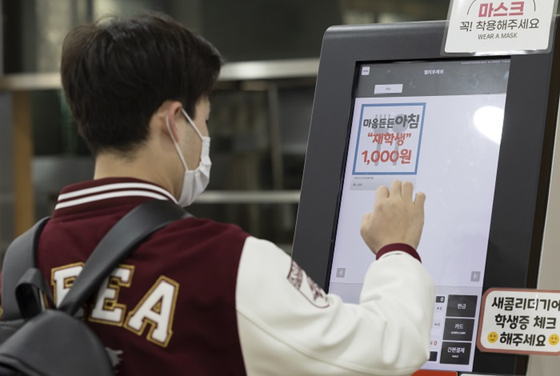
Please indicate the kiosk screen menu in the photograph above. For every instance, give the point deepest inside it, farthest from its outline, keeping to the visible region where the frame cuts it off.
(437, 124)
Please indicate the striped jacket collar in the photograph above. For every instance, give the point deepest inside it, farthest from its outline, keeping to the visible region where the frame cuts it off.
(109, 191)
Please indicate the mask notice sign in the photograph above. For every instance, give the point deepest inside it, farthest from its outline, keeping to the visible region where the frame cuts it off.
(520, 322)
(499, 26)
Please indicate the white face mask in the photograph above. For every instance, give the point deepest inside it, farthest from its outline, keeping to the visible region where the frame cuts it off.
(195, 181)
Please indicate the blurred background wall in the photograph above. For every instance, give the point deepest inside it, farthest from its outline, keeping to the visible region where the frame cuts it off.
(260, 109)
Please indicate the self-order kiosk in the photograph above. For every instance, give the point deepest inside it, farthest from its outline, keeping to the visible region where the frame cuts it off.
(475, 133)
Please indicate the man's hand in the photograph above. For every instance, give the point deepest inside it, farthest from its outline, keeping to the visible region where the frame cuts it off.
(396, 218)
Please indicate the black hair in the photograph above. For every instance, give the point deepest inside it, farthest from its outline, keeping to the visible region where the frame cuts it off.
(116, 73)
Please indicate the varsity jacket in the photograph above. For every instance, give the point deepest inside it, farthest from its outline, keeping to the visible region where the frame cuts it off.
(205, 298)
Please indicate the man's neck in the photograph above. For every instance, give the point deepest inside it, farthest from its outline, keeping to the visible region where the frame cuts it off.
(108, 165)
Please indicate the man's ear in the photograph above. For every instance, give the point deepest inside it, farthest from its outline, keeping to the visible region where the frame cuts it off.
(171, 112)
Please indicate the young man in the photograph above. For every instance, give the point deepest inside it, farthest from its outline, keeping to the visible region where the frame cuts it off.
(200, 297)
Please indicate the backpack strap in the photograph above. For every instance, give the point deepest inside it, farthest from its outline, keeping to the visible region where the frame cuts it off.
(20, 256)
(32, 294)
(119, 242)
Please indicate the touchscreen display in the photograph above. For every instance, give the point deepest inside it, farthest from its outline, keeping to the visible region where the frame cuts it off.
(437, 124)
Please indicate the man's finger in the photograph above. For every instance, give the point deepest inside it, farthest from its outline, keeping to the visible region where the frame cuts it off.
(396, 188)
(381, 193)
(407, 189)
(365, 219)
(419, 200)
(364, 227)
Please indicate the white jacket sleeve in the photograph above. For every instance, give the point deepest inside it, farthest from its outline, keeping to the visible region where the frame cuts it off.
(289, 326)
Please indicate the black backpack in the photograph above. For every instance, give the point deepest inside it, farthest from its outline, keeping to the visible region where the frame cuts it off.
(52, 342)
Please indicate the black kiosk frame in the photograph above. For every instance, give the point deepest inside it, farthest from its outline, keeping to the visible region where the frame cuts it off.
(522, 182)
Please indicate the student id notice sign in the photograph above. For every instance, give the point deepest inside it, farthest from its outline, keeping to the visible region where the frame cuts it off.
(520, 322)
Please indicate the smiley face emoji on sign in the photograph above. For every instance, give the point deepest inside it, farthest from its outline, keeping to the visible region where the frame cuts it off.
(553, 339)
(492, 337)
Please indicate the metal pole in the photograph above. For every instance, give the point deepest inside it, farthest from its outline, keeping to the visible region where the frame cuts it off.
(1, 39)
(275, 141)
(7, 206)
